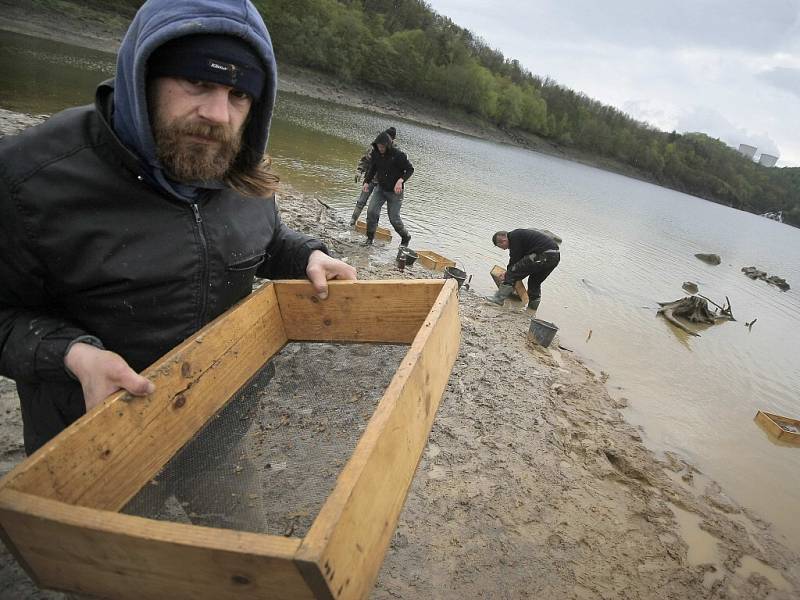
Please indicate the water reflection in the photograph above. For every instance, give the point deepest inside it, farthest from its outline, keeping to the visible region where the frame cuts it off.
(42, 77)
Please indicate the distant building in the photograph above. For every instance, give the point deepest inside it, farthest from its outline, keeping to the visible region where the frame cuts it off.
(748, 151)
(767, 160)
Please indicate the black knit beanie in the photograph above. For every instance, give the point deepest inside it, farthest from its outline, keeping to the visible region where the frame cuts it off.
(216, 58)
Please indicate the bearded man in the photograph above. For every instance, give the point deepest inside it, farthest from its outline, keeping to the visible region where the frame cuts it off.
(129, 224)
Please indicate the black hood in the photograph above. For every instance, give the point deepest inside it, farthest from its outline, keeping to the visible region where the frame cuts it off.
(383, 138)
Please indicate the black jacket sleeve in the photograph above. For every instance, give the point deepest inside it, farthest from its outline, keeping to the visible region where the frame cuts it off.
(515, 248)
(405, 164)
(288, 252)
(33, 337)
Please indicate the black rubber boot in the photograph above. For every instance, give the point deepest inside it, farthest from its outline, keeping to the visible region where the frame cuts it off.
(405, 239)
(533, 303)
(367, 242)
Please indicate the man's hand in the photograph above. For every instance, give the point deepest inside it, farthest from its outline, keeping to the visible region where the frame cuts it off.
(322, 267)
(366, 187)
(102, 373)
(398, 186)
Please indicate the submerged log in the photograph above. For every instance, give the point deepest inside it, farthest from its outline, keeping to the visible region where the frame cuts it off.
(695, 310)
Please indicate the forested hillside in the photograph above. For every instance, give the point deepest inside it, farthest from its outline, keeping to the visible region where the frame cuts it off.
(403, 45)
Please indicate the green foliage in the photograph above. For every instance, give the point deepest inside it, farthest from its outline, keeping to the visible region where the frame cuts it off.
(403, 45)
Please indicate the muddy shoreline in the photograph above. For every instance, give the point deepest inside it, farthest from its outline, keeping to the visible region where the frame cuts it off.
(532, 483)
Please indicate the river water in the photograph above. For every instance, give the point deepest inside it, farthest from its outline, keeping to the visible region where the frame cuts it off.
(627, 245)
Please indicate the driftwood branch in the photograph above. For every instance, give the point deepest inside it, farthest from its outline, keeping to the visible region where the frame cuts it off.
(694, 309)
(724, 311)
(709, 300)
(669, 315)
(729, 311)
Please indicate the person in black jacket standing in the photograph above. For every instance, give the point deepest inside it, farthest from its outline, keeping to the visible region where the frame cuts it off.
(391, 168)
(128, 225)
(364, 163)
(533, 254)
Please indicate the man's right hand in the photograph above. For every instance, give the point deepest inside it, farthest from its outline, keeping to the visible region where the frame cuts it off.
(366, 187)
(102, 373)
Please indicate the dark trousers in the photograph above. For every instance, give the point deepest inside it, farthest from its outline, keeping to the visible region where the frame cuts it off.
(393, 203)
(47, 410)
(362, 201)
(536, 267)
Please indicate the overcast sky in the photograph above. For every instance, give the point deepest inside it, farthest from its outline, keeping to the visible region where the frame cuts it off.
(728, 68)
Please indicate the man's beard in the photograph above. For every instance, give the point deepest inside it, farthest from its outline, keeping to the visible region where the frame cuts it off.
(189, 161)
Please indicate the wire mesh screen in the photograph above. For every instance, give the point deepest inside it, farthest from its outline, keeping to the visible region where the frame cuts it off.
(269, 459)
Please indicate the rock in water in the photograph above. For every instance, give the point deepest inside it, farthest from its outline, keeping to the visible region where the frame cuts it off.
(711, 259)
(690, 287)
(754, 273)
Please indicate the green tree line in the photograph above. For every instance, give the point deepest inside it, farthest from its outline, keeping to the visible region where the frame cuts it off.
(404, 46)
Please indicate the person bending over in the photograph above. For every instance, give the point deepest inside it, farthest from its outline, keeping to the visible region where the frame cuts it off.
(533, 254)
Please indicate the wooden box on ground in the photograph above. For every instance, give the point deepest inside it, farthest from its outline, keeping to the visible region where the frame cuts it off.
(781, 428)
(434, 261)
(520, 292)
(60, 509)
(381, 232)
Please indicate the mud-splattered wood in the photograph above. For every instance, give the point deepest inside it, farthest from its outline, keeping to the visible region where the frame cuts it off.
(380, 232)
(434, 261)
(352, 531)
(781, 428)
(383, 311)
(118, 556)
(103, 459)
(499, 272)
(58, 508)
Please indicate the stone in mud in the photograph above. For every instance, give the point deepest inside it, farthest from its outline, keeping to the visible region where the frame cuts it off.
(711, 259)
(690, 287)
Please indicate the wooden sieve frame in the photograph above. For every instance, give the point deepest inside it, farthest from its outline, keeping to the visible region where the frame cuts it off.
(59, 509)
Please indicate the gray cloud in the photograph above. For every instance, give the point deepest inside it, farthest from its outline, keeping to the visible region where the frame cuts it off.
(761, 26)
(783, 78)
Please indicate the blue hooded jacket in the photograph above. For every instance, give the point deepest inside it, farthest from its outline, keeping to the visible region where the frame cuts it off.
(156, 23)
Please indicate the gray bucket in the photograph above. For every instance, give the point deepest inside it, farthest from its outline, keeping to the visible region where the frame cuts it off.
(410, 255)
(542, 332)
(457, 274)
